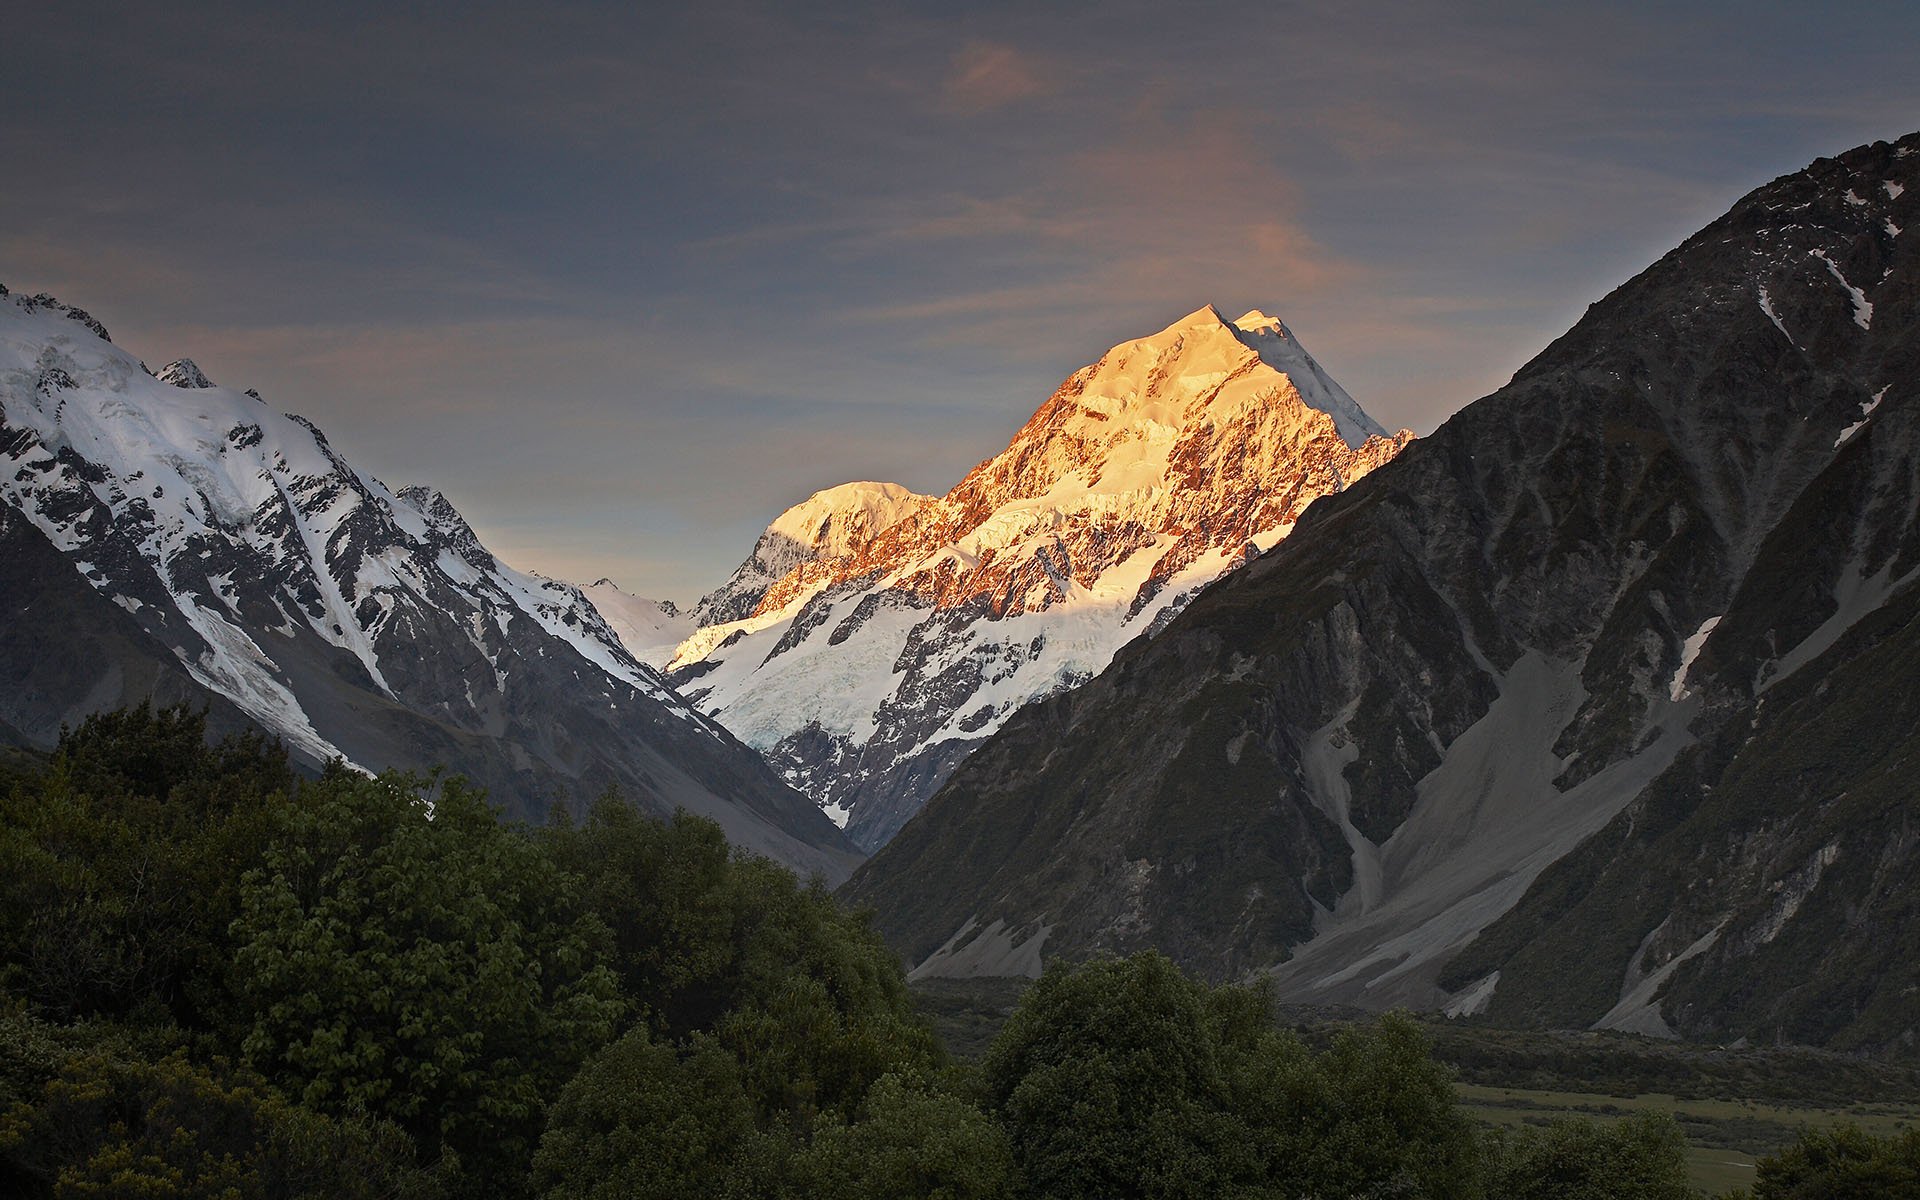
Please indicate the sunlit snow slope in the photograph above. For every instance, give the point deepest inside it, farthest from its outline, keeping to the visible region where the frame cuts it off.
(651, 630)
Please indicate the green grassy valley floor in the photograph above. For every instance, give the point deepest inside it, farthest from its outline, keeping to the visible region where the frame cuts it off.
(1725, 1136)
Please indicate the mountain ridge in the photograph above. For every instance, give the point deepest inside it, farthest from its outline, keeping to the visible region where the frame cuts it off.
(868, 673)
(349, 619)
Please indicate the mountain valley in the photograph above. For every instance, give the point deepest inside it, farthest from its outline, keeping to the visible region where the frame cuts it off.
(1589, 710)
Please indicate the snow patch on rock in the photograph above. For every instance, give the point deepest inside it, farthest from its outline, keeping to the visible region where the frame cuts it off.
(1766, 306)
(1689, 650)
(1862, 307)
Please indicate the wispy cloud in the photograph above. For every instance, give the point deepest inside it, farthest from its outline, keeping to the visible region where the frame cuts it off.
(989, 75)
(1170, 213)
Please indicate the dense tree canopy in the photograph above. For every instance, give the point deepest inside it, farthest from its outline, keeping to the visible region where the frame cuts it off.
(802, 992)
(913, 1137)
(120, 865)
(110, 1125)
(408, 956)
(650, 1119)
(1112, 1080)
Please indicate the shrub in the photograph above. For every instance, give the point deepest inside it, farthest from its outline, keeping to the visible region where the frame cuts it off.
(1642, 1157)
(106, 1125)
(1843, 1164)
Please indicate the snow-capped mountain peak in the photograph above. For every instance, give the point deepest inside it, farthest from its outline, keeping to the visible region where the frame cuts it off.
(834, 521)
(1267, 336)
(218, 509)
(875, 635)
(183, 373)
(824, 528)
(445, 527)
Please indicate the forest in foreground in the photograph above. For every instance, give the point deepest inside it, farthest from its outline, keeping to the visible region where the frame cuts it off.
(219, 978)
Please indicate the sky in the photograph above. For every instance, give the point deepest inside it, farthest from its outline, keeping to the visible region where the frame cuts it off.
(626, 280)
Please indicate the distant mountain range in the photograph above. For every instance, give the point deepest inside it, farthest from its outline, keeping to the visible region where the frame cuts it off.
(875, 637)
(1598, 707)
(170, 539)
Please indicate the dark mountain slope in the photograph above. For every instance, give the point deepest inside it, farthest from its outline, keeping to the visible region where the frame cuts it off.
(1597, 602)
(66, 651)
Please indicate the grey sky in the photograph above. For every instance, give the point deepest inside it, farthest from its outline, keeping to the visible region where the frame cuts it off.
(625, 281)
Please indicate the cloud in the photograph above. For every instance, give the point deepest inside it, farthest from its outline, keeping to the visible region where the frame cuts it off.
(989, 75)
(652, 276)
(1366, 131)
(963, 217)
(1165, 214)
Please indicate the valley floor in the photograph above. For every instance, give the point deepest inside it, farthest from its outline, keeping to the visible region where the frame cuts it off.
(1725, 1137)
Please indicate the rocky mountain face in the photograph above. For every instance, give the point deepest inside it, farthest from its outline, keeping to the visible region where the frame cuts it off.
(1598, 707)
(876, 637)
(184, 541)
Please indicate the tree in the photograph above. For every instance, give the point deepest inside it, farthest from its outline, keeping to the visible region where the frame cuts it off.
(912, 1138)
(1845, 1163)
(1121, 1077)
(669, 893)
(409, 957)
(122, 861)
(1642, 1157)
(162, 754)
(708, 940)
(1374, 1115)
(648, 1121)
(767, 1016)
(1109, 1081)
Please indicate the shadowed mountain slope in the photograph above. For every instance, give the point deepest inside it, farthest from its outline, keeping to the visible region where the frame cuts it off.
(1592, 708)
